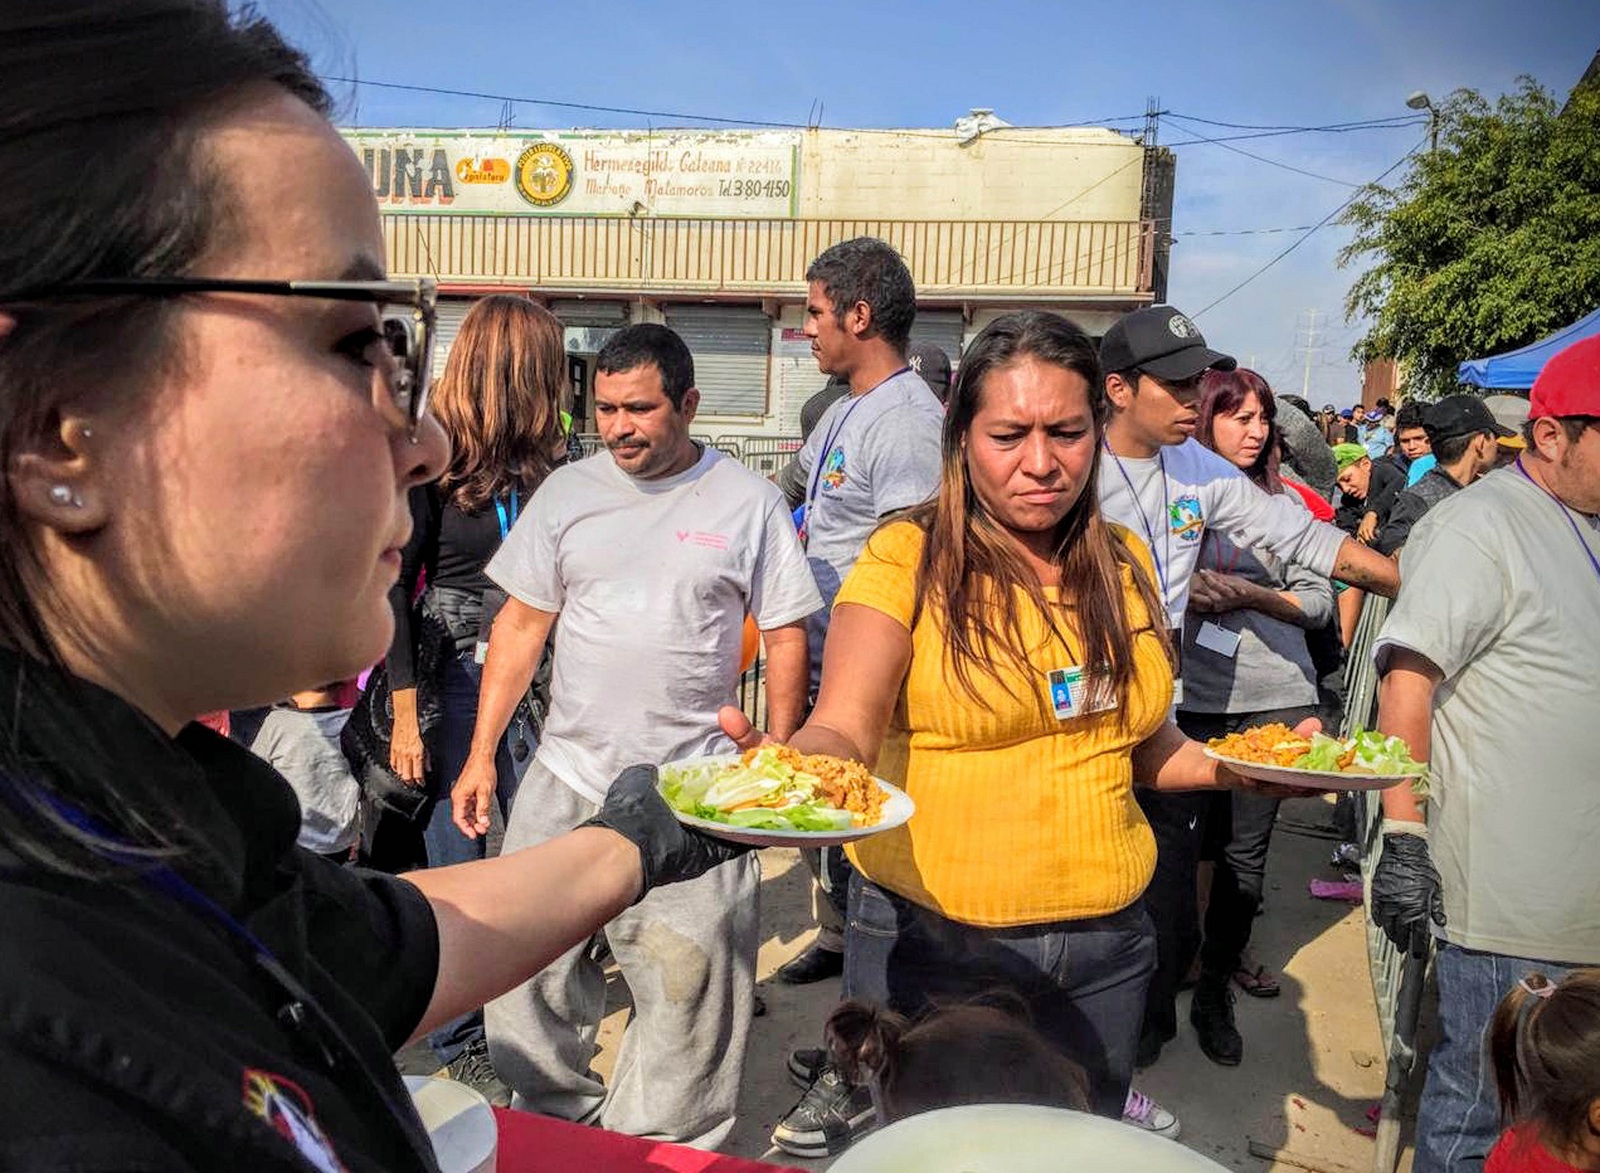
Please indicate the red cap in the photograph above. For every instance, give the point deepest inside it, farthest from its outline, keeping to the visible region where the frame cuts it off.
(1569, 383)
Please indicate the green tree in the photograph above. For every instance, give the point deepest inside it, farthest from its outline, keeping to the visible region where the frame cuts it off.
(1489, 243)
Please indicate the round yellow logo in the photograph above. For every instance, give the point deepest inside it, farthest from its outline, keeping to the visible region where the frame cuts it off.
(544, 174)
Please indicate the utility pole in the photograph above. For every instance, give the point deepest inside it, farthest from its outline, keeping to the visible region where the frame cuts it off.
(1311, 350)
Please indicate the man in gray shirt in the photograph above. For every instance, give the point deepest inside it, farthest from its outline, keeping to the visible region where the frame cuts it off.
(874, 452)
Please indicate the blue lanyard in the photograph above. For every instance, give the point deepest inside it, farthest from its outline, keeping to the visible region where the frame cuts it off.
(506, 520)
(1567, 513)
(1149, 532)
(827, 445)
(300, 1014)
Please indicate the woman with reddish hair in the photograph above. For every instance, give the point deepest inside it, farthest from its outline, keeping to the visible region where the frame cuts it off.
(1245, 663)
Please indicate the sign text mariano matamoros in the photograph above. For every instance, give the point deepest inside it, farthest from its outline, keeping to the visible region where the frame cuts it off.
(584, 173)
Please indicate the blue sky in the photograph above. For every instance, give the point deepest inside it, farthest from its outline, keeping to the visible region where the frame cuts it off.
(1306, 62)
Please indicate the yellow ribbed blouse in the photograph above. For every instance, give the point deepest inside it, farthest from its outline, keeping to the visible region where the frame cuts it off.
(1022, 818)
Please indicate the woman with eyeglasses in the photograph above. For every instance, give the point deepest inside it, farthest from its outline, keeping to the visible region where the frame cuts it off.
(212, 409)
(1001, 652)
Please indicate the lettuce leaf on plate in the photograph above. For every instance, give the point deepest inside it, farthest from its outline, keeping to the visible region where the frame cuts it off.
(707, 791)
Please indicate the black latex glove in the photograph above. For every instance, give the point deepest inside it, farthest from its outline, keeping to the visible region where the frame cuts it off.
(1405, 892)
(669, 851)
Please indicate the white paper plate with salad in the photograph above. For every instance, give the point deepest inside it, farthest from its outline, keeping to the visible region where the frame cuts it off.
(776, 797)
(1275, 753)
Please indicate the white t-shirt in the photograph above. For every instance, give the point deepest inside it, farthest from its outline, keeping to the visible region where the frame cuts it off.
(1501, 595)
(1201, 491)
(652, 579)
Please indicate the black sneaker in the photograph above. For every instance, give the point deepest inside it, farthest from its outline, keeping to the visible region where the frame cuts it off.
(472, 1067)
(1211, 1012)
(828, 1119)
(814, 965)
(805, 1065)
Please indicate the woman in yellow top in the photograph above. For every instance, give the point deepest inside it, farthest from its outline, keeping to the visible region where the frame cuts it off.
(994, 653)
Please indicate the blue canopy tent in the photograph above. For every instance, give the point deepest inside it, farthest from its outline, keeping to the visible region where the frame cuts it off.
(1517, 369)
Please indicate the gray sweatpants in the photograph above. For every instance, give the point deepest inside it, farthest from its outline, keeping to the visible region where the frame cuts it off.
(688, 953)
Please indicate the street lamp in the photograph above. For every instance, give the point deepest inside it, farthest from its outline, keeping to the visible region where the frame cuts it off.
(1421, 101)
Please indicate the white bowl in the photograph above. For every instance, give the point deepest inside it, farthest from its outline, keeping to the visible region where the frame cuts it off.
(459, 1121)
(1015, 1138)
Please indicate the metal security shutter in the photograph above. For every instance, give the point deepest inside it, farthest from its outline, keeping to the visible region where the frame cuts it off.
(576, 313)
(943, 328)
(447, 324)
(729, 345)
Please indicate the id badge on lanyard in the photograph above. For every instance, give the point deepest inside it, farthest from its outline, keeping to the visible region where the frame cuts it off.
(1076, 692)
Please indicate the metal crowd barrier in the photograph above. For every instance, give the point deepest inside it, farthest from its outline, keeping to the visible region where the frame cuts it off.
(753, 690)
(1398, 979)
(766, 454)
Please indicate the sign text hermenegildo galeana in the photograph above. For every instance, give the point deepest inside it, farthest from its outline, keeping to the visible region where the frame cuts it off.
(585, 173)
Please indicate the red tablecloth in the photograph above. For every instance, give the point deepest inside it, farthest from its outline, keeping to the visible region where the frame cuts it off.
(542, 1144)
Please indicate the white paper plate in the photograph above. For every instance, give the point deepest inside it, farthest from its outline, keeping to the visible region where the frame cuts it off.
(459, 1122)
(897, 808)
(1311, 779)
(1015, 1138)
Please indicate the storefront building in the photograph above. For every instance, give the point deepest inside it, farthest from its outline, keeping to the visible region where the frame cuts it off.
(711, 232)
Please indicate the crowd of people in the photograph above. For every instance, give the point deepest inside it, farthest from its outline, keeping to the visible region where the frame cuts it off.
(452, 656)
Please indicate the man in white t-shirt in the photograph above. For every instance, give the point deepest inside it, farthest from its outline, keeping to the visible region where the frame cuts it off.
(1489, 672)
(1167, 488)
(651, 554)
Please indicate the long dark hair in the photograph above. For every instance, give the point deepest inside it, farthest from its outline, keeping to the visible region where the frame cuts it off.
(971, 570)
(1544, 1045)
(499, 400)
(1223, 393)
(980, 1052)
(99, 117)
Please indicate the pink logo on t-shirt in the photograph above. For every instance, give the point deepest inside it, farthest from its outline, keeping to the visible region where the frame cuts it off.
(708, 541)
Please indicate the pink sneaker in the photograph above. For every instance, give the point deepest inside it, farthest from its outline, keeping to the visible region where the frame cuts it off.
(1143, 1112)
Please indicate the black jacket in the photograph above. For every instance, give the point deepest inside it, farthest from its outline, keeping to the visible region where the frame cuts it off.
(1409, 506)
(138, 1033)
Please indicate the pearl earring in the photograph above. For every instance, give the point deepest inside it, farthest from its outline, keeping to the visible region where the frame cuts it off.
(61, 494)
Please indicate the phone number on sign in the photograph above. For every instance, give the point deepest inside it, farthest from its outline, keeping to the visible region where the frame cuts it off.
(754, 189)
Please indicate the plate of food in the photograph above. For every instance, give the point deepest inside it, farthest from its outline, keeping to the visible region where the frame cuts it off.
(1276, 753)
(775, 796)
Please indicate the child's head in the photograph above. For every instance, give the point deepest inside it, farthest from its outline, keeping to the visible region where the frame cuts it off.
(978, 1053)
(1544, 1042)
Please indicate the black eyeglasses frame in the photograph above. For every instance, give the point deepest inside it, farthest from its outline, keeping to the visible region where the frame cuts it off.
(410, 340)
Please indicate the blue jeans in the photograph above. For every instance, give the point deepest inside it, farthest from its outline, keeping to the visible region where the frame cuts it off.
(451, 743)
(444, 841)
(1084, 980)
(1458, 1120)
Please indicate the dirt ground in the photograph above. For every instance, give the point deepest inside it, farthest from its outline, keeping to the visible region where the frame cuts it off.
(1312, 1065)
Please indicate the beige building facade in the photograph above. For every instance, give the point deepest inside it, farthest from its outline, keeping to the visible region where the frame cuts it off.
(711, 232)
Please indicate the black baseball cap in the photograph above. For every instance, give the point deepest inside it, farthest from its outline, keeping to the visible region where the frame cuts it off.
(1160, 341)
(1461, 415)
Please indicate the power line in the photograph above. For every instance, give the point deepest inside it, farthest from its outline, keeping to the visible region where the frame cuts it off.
(1243, 231)
(1264, 159)
(1312, 231)
(1395, 119)
(998, 134)
(729, 120)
